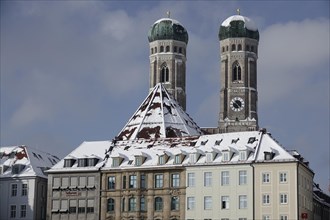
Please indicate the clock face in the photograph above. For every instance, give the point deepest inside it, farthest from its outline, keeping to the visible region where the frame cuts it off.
(237, 104)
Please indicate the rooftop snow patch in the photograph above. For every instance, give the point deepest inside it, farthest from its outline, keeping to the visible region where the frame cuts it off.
(159, 116)
(248, 23)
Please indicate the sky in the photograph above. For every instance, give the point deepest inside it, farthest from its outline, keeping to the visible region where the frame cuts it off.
(74, 71)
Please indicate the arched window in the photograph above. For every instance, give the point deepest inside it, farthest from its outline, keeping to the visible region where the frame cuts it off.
(175, 203)
(164, 74)
(161, 49)
(167, 48)
(158, 204)
(236, 72)
(247, 48)
(132, 204)
(175, 49)
(180, 49)
(233, 47)
(152, 50)
(155, 49)
(123, 205)
(142, 204)
(227, 48)
(223, 49)
(239, 47)
(111, 205)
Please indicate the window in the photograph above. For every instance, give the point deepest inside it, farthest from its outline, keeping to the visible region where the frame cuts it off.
(167, 49)
(152, 50)
(283, 217)
(192, 158)
(191, 179)
(142, 204)
(24, 189)
(82, 162)
(247, 48)
(158, 180)
(175, 180)
(132, 204)
(224, 202)
(55, 205)
(65, 182)
(242, 202)
(190, 203)
(161, 49)
(111, 205)
(239, 47)
(91, 181)
(56, 182)
(177, 159)
(23, 211)
(225, 156)
(73, 206)
(155, 49)
(90, 206)
(111, 182)
(164, 74)
(207, 202)
(123, 201)
(283, 177)
(283, 198)
(143, 182)
(265, 199)
(124, 182)
(224, 178)
(242, 155)
(68, 162)
(265, 177)
(207, 179)
(82, 181)
(158, 204)
(175, 49)
(233, 47)
(92, 162)
(81, 206)
(209, 157)
(242, 177)
(138, 161)
(13, 211)
(64, 205)
(161, 160)
(73, 182)
(132, 181)
(14, 190)
(236, 71)
(180, 49)
(175, 203)
(265, 217)
(115, 162)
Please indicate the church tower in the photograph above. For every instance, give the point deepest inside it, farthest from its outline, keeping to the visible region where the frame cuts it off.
(168, 41)
(239, 37)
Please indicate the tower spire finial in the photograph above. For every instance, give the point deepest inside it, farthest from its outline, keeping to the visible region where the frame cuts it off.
(168, 13)
(238, 11)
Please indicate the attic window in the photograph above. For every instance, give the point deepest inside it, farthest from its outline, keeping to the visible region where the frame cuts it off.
(269, 155)
(91, 162)
(3, 168)
(252, 140)
(82, 162)
(177, 159)
(225, 156)
(138, 160)
(193, 158)
(17, 168)
(69, 162)
(161, 159)
(116, 161)
(242, 155)
(209, 157)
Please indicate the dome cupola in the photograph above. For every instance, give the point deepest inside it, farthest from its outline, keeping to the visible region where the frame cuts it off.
(238, 26)
(167, 29)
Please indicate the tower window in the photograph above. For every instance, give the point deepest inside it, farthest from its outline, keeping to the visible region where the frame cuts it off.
(152, 50)
(236, 72)
(247, 48)
(227, 48)
(252, 48)
(164, 74)
(155, 49)
(239, 47)
(161, 49)
(223, 49)
(175, 49)
(180, 49)
(233, 47)
(167, 48)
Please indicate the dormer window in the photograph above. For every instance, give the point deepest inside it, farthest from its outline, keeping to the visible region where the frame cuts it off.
(242, 155)
(192, 158)
(269, 155)
(139, 160)
(225, 156)
(3, 168)
(82, 162)
(116, 161)
(69, 162)
(177, 159)
(17, 168)
(91, 162)
(209, 157)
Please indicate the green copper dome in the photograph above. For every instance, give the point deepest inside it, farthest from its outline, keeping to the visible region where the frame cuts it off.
(167, 29)
(238, 26)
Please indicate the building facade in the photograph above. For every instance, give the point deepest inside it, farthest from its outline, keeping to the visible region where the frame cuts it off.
(23, 182)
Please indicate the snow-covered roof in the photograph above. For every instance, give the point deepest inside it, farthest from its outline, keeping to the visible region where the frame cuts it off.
(215, 149)
(168, 19)
(249, 24)
(159, 116)
(23, 161)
